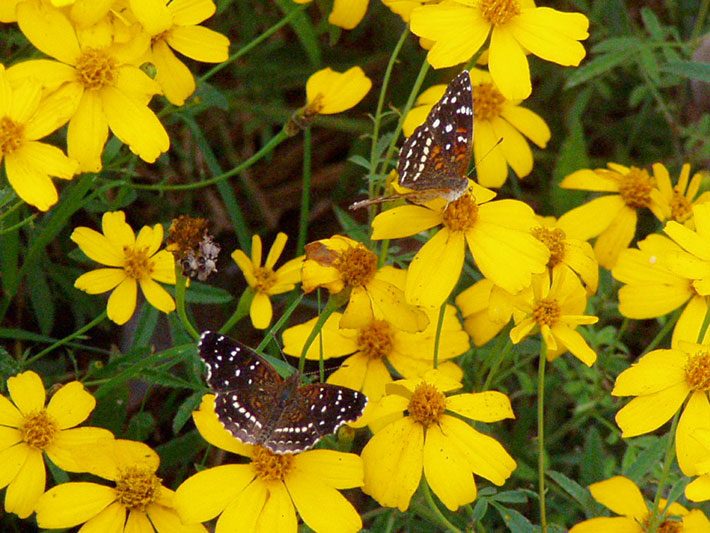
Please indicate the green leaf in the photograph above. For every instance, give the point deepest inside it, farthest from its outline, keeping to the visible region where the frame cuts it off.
(141, 426)
(202, 293)
(515, 521)
(598, 66)
(305, 32)
(616, 44)
(639, 95)
(184, 411)
(647, 61)
(181, 450)
(647, 460)
(42, 299)
(147, 322)
(688, 69)
(9, 258)
(359, 161)
(9, 366)
(592, 457)
(574, 489)
(512, 496)
(479, 510)
(653, 26)
(351, 227)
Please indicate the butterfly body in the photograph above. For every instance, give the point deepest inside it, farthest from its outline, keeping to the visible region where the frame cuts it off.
(257, 406)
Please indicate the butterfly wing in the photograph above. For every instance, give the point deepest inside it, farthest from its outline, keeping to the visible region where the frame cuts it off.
(437, 154)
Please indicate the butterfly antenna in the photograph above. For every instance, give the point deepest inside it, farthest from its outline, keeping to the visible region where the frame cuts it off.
(498, 142)
(373, 201)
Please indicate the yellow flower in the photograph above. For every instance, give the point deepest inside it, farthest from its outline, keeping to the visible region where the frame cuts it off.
(329, 92)
(516, 27)
(261, 495)
(555, 311)
(661, 381)
(379, 345)
(26, 117)
(683, 196)
(8, 10)
(131, 260)
(494, 119)
(611, 217)
(175, 26)
(30, 431)
(447, 449)
(348, 13)
(101, 79)
(698, 490)
(497, 234)
(264, 280)
(652, 290)
(486, 309)
(138, 493)
(342, 264)
(623, 497)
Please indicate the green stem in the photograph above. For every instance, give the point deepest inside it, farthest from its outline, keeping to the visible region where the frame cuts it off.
(305, 192)
(667, 327)
(17, 226)
(279, 323)
(541, 435)
(240, 312)
(334, 302)
(502, 354)
(437, 337)
(444, 522)
(266, 149)
(11, 209)
(67, 339)
(254, 43)
(180, 287)
(653, 521)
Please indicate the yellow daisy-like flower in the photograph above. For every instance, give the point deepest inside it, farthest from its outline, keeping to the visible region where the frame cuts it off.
(662, 381)
(684, 195)
(132, 261)
(264, 280)
(611, 218)
(379, 345)
(261, 494)
(623, 497)
(342, 264)
(175, 25)
(29, 431)
(501, 128)
(447, 449)
(137, 502)
(652, 289)
(26, 117)
(555, 310)
(497, 234)
(698, 490)
(516, 27)
(329, 92)
(486, 309)
(101, 79)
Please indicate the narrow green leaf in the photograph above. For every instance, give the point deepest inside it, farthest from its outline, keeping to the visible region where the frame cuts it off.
(147, 322)
(647, 460)
(184, 411)
(305, 32)
(42, 299)
(592, 464)
(202, 293)
(598, 66)
(689, 69)
(616, 44)
(141, 426)
(647, 61)
(514, 521)
(9, 366)
(351, 227)
(653, 26)
(571, 487)
(359, 161)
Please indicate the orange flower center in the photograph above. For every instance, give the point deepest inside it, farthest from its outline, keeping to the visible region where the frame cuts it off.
(681, 208)
(357, 266)
(265, 279)
(461, 214)
(137, 487)
(96, 69)
(669, 526)
(375, 339)
(635, 188)
(11, 135)
(487, 102)
(697, 372)
(270, 466)
(499, 11)
(554, 239)
(427, 405)
(137, 263)
(38, 429)
(546, 312)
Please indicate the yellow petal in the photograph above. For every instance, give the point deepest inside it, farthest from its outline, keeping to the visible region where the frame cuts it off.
(137, 522)
(690, 322)
(649, 412)
(690, 450)
(9, 414)
(491, 166)
(616, 237)
(122, 302)
(29, 483)
(334, 92)
(174, 77)
(153, 15)
(199, 43)
(13, 459)
(615, 524)
(245, 265)
(166, 519)
(54, 111)
(515, 148)
(508, 64)
(337, 469)
(347, 13)
(150, 238)
(436, 269)
(622, 496)
(655, 371)
(69, 448)
(27, 392)
(48, 30)
(71, 504)
(213, 431)
(163, 267)
(278, 513)
(157, 296)
(242, 514)
(98, 247)
(699, 489)
(592, 218)
(71, 405)
(575, 343)
(25, 100)
(404, 221)
(187, 12)
(530, 124)
(336, 342)
(87, 133)
(388, 302)
(393, 463)
(446, 470)
(29, 182)
(261, 311)
(276, 250)
(47, 159)
(589, 180)
(117, 231)
(112, 518)
(488, 406)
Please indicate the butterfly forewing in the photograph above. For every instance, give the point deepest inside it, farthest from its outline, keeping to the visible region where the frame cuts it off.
(437, 154)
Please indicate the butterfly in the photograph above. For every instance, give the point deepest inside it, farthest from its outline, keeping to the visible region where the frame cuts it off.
(434, 159)
(257, 406)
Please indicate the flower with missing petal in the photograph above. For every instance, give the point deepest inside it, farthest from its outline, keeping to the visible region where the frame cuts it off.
(555, 310)
(26, 117)
(30, 431)
(138, 502)
(501, 128)
(175, 25)
(131, 261)
(427, 439)
(99, 77)
(459, 28)
(265, 493)
(682, 196)
(264, 281)
(344, 266)
(497, 234)
(662, 381)
(379, 345)
(623, 497)
(611, 218)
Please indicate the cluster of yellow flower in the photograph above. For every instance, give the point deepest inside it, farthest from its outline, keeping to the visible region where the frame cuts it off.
(397, 328)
